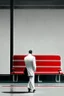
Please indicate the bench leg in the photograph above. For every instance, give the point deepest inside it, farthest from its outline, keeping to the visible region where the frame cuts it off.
(57, 78)
(14, 78)
(39, 79)
(17, 78)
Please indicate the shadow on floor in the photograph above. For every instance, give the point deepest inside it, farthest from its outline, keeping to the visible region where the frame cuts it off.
(16, 92)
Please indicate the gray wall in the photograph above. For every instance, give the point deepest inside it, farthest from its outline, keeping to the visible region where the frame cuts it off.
(4, 41)
(41, 30)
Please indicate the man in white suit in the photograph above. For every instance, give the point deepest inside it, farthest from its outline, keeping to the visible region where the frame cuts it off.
(30, 63)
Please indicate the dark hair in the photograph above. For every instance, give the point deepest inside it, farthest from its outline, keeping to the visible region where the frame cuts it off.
(30, 51)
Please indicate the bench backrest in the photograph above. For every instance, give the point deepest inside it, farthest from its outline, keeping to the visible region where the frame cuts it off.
(44, 63)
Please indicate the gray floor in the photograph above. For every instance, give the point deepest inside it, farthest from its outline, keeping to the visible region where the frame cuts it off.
(42, 89)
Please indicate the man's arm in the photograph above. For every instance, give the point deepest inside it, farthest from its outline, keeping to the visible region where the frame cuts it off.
(34, 63)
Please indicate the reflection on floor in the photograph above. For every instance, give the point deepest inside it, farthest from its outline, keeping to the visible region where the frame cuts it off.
(42, 89)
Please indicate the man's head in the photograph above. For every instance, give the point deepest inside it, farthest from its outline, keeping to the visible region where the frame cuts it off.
(30, 51)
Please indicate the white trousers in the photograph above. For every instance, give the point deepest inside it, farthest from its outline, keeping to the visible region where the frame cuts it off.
(31, 83)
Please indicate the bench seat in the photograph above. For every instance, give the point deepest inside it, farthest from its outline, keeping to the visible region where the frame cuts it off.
(17, 73)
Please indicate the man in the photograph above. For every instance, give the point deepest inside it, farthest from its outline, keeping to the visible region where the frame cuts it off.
(30, 63)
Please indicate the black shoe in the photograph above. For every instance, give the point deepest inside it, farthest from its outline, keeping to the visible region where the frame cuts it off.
(34, 90)
(29, 89)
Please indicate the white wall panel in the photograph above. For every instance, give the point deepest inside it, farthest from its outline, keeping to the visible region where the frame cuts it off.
(41, 30)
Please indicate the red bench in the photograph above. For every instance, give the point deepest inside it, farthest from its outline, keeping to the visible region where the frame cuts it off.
(46, 65)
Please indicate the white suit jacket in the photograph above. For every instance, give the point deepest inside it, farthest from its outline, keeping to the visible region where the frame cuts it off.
(30, 63)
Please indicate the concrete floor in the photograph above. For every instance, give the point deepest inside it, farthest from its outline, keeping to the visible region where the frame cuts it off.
(42, 89)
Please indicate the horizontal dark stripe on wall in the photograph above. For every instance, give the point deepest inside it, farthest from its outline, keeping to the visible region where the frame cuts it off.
(33, 7)
(7, 78)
